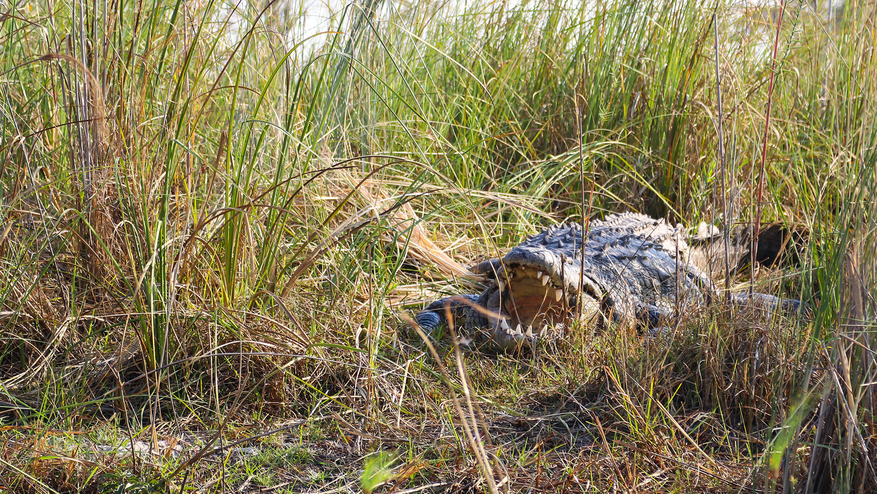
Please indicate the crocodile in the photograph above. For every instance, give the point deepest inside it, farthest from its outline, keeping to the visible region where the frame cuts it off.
(633, 270)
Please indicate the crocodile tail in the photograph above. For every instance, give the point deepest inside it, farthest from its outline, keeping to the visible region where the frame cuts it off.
(776, 244)
(435, 315)
(429, 320)
(771, 303)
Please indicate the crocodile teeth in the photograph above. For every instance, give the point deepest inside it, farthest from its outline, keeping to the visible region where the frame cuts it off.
(519, 329)
(530, 331)
(539, 274)
(545, 279)
(500, 285)
(558, 295)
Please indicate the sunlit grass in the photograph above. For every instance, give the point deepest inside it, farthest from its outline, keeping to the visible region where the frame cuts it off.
(215, 227)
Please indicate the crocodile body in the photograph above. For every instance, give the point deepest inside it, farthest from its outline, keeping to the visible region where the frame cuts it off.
(633, 270)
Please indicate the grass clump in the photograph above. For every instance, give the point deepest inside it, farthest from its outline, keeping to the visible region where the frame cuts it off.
(215, 224)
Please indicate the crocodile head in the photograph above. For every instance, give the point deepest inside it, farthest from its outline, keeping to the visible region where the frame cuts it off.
(534, 290)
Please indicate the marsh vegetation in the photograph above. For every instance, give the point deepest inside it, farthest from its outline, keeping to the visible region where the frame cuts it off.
(216, 227)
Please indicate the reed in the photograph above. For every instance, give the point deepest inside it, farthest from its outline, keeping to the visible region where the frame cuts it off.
(216, 225)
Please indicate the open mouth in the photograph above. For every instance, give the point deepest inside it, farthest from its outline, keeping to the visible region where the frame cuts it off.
(526, 303)
(532, 300)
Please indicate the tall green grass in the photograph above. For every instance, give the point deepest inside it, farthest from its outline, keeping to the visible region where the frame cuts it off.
(206, 218)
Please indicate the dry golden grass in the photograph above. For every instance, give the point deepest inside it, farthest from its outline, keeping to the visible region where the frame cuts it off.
(213, 242)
